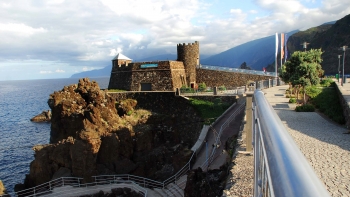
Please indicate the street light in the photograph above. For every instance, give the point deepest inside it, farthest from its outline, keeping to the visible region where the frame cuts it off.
(344, 49)
(339, 67)
(305, 45)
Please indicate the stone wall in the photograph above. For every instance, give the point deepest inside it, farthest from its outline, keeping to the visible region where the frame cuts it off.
(189, 55)
(120, 77)
(176, 111)
(214, 78)
(345, 105)
(165, 77)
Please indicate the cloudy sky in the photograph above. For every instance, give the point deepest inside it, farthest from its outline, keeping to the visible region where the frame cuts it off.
(42, 39)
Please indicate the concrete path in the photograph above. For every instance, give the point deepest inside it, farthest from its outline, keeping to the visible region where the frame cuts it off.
(323, 143)
(221, 156)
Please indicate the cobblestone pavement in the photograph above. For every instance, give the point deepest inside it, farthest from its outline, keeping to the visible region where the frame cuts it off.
(241, 176)
(323, 143)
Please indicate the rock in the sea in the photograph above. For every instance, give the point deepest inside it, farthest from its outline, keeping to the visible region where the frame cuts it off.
(45, 116)
(89, 138)
(2, 188)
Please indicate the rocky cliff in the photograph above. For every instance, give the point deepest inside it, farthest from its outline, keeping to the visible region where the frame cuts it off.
(329, 38)
(89, 136)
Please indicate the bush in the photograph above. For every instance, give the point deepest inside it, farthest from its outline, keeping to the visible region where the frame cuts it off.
(313, 91)
(305, 108)
(185, 89)
(292, 100)
(202, 87)
(222, 88)
(326, 82)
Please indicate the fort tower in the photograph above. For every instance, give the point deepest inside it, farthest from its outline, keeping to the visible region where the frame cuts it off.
(189, 55)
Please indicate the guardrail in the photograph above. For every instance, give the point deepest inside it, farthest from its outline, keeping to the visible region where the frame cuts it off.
(49, 186)
(75, 183)
(280, 167)
(228, 69)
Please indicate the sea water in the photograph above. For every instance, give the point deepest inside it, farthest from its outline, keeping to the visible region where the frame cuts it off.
(19, 102)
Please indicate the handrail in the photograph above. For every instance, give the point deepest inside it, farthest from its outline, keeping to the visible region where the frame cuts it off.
(228, 69)
(280, 167)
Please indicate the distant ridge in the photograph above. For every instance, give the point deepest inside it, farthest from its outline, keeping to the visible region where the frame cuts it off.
(257, 54)
(104, 72)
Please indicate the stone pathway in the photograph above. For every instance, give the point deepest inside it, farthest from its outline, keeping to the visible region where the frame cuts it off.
(323, 143)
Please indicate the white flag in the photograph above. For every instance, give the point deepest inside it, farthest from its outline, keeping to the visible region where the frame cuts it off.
(276, 45)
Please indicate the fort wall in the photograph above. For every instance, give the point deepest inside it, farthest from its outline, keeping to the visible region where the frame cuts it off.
(213, 78)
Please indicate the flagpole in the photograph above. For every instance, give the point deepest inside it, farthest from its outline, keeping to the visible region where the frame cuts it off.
(276, 54)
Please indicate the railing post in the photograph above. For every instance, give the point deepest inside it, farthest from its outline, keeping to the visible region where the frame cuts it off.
(249, 121)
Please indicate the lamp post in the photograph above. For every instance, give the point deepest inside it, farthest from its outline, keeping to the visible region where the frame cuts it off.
(339, 67)
(305, 45)
(344, 49)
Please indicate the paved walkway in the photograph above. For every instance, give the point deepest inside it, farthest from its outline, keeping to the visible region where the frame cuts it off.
(323, 143)
(221, 156)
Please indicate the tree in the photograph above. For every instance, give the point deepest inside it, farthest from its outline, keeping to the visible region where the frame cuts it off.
(303, 69)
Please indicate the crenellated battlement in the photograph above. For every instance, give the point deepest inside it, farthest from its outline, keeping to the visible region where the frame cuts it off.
(189, 55)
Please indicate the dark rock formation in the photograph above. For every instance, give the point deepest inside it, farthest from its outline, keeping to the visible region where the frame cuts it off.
(89, 138)
(205, 184)
(45, 116)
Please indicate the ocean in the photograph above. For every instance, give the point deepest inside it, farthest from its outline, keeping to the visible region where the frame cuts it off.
(19, 102)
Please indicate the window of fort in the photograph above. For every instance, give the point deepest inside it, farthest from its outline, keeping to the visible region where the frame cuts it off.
(146, 86)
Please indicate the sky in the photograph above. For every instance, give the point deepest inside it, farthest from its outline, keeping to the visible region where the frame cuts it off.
(42, 39)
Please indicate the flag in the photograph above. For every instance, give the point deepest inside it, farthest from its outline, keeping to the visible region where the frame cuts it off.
(276, 45)
(285, 47)
(282, 47)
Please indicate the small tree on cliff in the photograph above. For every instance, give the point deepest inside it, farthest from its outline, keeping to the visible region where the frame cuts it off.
(303, 69)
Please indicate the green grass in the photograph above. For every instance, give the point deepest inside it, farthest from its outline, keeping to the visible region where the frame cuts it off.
(327, 101)
(209, 111)
(116, 90)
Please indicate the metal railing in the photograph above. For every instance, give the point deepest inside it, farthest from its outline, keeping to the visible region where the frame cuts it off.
(209, 160)
(280, 167)
(75, 183)
(237, 70)
(49, 186)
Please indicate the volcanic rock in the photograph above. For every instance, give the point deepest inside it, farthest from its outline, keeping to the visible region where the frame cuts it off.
(89, 138)
(45, 116)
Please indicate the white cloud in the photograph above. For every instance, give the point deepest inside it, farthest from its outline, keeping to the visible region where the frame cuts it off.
(20, 29)
(60, 71)
(236, 11)
(45, 72)
(87, 33)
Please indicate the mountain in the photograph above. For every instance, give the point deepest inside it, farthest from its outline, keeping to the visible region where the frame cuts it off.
(257, 54)
(104, 72)
(329, 37)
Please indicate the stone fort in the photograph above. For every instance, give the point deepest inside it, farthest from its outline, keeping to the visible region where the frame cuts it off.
(171, 74)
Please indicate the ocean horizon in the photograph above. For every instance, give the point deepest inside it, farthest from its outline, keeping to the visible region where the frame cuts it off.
(20, 100)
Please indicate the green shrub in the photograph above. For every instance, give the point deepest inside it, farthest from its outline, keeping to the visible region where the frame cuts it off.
(292, 100)
(327, 101)
(222, 88)
(305, 108)
(313, 91)
(185, 89)
(202, 87)
(326, 82)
